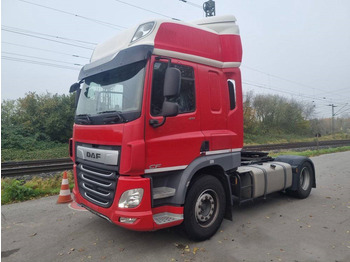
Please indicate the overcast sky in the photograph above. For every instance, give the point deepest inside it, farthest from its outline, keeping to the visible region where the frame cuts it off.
(294, 48)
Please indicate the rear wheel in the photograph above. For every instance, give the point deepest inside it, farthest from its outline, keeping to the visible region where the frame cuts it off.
(305, 182)
(204, 208)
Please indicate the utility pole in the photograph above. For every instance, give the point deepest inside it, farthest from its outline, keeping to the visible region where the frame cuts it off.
(209, 8)
(333, 106)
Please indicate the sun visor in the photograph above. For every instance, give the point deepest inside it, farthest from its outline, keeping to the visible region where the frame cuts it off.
(124, 57)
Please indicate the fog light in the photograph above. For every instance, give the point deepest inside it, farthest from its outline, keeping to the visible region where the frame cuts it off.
(131, 198)
(127, 220)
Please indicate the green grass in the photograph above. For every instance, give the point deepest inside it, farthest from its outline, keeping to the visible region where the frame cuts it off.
(13, 190)
(311, 153)
(59, 151)
(288, 138)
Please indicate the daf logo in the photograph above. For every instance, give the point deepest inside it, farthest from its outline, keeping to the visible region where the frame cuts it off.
(93, 155)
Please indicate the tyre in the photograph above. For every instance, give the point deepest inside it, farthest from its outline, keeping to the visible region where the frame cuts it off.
(204, 208)
(305, 181)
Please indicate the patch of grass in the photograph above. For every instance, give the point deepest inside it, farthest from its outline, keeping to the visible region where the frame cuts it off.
(13, 190)
(250, 139)
(59, 151)
(311, 153)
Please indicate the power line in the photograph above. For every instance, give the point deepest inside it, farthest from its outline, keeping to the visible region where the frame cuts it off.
(286, 92)
(190, 3)
(335, 91)
(141, 8)
(114, 26)
(344, 111)
(284, 79)
(282, 91)
(47, 59)
(42, 34)
(337, 113)
(20, 33)
(46, 50)
(38, 63)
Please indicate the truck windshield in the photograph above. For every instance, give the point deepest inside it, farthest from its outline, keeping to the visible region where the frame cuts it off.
(115, 94)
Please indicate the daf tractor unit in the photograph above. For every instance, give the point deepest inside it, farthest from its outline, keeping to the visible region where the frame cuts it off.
(158, 133)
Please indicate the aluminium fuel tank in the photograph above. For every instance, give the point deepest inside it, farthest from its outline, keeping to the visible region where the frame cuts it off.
(264, 178)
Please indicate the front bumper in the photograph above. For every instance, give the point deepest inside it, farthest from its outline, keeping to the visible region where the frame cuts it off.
(147, 218)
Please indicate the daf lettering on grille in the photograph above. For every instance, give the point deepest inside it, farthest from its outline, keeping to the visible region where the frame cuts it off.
(103, 156)
(93, 155)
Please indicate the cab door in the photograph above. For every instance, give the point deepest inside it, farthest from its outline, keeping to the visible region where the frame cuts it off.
(176, 143)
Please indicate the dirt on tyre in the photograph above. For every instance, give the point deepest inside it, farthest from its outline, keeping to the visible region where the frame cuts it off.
(305, 181)
(204, 208)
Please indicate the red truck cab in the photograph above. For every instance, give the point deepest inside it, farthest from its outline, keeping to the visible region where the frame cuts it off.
(159, 126)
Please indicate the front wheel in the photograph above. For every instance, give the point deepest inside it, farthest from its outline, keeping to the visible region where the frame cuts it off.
(204, 208)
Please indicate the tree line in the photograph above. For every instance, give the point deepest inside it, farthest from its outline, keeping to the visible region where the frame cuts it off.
(37, 121)
(275, 114)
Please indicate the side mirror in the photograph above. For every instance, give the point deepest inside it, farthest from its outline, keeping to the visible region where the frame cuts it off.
(171, 89)
(74, 87)
(172, 82)
(170, 109)
(77, 95)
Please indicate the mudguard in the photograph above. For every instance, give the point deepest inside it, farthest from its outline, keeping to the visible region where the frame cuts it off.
(296, 162)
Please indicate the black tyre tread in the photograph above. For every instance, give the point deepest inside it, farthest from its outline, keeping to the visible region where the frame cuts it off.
(193, 230)
(301, 193)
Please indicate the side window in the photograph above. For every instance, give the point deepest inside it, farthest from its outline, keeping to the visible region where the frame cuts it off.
(232, 93)
(186, 100)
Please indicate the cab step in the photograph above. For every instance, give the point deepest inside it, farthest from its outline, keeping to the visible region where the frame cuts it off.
(166, 217)
(163, 192)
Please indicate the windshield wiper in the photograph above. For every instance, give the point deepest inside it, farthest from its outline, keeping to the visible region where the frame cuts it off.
(117, 115)
(83, 119)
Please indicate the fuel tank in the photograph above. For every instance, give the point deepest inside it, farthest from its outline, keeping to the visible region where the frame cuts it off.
(264, 178)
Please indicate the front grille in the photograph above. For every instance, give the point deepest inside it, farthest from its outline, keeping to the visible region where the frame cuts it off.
(97, 185)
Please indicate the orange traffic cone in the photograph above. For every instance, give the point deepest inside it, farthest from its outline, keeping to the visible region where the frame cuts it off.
(64, 196)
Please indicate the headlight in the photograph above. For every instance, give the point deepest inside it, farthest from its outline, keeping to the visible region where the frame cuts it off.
(142, 31)
(131, 198)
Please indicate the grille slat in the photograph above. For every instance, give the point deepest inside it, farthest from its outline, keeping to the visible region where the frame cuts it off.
(96, 185)
(95, 173)
(95, 192)
(95, 182)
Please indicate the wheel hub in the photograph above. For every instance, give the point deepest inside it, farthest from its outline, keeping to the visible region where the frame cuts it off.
(304, 178)
(206, 208)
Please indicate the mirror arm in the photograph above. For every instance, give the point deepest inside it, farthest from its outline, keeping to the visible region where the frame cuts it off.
(158, 58)
(155, 123)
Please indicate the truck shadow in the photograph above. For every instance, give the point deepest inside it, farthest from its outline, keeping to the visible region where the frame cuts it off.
(257, 203)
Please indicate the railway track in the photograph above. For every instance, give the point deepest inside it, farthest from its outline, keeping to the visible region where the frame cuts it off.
(12, 169)
(31, 167)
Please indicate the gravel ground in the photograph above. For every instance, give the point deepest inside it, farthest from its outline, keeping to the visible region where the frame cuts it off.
(279, 228)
